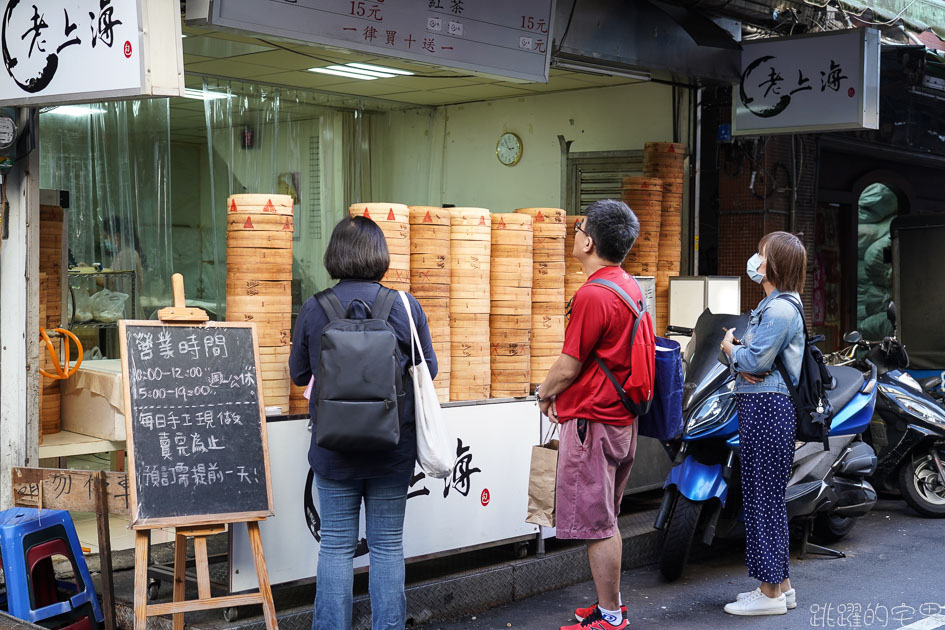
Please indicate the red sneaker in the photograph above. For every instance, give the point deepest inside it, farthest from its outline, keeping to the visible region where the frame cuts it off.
(583, 613)
(595, 622)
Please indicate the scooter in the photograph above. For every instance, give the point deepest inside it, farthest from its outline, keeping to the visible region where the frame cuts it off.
(702, 496)
(908, 429)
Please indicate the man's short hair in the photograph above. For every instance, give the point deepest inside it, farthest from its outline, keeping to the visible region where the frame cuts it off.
(613, 227)
(357, 251)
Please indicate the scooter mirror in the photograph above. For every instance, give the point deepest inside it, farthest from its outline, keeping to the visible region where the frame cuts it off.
(891, 313)
(853, 337)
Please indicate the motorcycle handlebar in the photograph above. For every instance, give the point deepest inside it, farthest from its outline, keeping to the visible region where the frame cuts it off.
(871, 381)
(679, 330)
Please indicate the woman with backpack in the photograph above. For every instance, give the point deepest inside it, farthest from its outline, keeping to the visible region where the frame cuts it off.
(766, 418)
(357, 256)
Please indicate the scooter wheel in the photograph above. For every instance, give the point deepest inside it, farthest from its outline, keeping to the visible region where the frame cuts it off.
(922, 487)
(830, 528)
(679, 537)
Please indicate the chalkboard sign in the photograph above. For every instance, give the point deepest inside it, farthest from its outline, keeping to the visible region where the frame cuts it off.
(195, 424)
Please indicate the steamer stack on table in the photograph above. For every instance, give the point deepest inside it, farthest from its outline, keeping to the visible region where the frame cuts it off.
(644, 195)
(548, 303)
(510, 321)
(470, 254)
(430, 283)
(298, 404)
(258, 283)
(665, 161)
(573, 269)
(50, 299)
(394, 221)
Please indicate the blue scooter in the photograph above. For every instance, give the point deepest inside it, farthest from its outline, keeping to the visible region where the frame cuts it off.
(827, 490)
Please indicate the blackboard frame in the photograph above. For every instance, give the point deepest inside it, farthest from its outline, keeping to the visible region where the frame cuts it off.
(202, 519)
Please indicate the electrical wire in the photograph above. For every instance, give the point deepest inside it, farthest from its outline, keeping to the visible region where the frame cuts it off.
(567, 26)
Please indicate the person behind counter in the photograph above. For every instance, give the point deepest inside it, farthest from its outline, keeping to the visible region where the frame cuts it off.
(358, 258)
(598, 435)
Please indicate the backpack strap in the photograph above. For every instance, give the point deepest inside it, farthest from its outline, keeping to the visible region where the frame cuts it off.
(330, 304)
(383, 303)
(637, 409)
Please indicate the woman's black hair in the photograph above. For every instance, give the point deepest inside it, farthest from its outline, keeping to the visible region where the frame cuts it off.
(357, 250)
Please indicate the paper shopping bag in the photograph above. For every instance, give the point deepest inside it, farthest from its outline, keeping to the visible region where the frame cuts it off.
(541, 484)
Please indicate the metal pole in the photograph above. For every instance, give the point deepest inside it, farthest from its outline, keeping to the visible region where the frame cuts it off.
(19, 317)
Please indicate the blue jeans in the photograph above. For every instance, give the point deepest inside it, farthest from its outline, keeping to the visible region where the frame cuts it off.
(339, 506)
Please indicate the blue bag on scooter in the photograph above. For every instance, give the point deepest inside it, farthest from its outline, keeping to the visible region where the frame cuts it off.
(664, 420)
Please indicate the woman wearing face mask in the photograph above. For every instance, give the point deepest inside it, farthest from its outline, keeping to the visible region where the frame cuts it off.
(766, 417)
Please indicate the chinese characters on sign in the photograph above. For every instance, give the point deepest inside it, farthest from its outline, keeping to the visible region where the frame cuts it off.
(820, 82)
(195, 420)
(499, 38)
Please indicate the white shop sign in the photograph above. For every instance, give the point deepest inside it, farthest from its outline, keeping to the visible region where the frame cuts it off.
(68, 51)
(822, 82)
(495, 37)
(485, 501)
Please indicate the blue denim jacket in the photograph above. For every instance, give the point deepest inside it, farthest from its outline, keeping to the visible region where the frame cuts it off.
(775, 327)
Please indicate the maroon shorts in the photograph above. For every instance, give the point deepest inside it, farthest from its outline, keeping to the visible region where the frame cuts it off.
(591, 479)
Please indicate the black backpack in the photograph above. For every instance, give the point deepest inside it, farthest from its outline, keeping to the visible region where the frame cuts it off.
(812, 405)
(359, 377)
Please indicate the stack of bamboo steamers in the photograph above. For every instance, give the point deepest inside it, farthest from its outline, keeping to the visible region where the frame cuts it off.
(394, 221)
(574, 275)
(548, 268)
(665, 161)
(470, 260)
(510, 321)
(50, 317)
(258, 282)
(430, 283)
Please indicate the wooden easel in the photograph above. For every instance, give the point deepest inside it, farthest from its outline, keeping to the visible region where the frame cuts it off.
(180, 314)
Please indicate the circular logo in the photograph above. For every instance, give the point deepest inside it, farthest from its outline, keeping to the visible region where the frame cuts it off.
(127, 50)
(851, 92)
(484, 497)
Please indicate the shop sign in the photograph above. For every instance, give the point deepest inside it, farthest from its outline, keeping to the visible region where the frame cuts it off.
(62, 51)
(822, 82)
(494, 37)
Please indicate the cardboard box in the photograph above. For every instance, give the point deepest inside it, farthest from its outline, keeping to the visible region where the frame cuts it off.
(93, 400)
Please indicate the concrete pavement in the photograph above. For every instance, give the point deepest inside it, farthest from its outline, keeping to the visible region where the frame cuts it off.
(891, 578)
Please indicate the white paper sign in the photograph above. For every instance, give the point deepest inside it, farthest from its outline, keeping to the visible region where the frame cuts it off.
(59, 51)
(809, 83)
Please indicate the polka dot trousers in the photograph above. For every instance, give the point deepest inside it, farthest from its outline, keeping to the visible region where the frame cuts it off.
(766, 427)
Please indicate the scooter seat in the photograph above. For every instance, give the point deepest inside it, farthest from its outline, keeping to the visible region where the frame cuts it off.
(849, 382)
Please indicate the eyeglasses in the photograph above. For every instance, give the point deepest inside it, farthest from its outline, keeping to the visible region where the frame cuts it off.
(578, 228)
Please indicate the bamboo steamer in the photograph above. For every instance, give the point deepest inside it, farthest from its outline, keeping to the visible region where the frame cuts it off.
(50, 298)
(574, 275)
(298, 404)
(510, 322)
(394, 221)
(260, 204)
(430, 283)
(260, 222)
(381, 212)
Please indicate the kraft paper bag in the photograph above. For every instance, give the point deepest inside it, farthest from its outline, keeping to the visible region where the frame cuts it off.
(541, 484)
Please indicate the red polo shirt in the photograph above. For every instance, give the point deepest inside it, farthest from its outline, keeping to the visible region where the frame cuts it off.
(602, 322)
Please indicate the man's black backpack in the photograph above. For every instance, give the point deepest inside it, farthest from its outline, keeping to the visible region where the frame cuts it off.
(814, 410)
(359, 376)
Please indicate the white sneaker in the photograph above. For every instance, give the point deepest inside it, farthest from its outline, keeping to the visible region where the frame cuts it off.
(790, 597)
(757, 603)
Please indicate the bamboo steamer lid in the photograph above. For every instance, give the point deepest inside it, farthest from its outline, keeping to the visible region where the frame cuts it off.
(510, 308)
(429, 291)
(512, 222)
(260, 204)
(469, 320)
(465, 348)
(429, 232)
(381, 212)
(548, 222)
(509, 349)
(259, 256)
(509, 391)
(260, 223)
(469, 217)
(672, 148)
(429, 246)
(547, 308)
(517, 294)
(421, 275)
(512, 265)
(469, 264)
(555, 296)
(282, 272)
(429, 215)
(520, 336)
(429, 261)
(642, 184)
(260, 303)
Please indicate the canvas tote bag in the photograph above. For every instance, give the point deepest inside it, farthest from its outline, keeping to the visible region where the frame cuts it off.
(434, 444)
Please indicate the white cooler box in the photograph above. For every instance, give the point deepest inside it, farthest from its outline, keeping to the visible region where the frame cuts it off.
(93, 400)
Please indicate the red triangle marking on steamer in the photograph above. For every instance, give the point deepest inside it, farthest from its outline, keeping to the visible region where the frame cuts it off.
(501, 225)
(233, 206)
(269, 208)
(428, 218)
(540, 218)
(482, 220)
(390, 215)
(248, 224)
(286, 227)
(367, 215)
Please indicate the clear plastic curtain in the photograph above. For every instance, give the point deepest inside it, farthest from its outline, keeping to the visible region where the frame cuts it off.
(114, 159)
(262, 139)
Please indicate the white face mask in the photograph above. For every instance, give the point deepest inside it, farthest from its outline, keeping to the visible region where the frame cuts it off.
(753, 264)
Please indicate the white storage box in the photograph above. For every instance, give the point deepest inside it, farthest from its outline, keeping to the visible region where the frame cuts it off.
(93, 400)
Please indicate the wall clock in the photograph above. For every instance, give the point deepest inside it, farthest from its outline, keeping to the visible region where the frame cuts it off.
(509, 149)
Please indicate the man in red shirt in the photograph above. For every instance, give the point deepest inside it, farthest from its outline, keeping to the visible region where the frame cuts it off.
(598, 435)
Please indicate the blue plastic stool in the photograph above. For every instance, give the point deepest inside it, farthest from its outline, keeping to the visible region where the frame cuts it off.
(28, 540)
